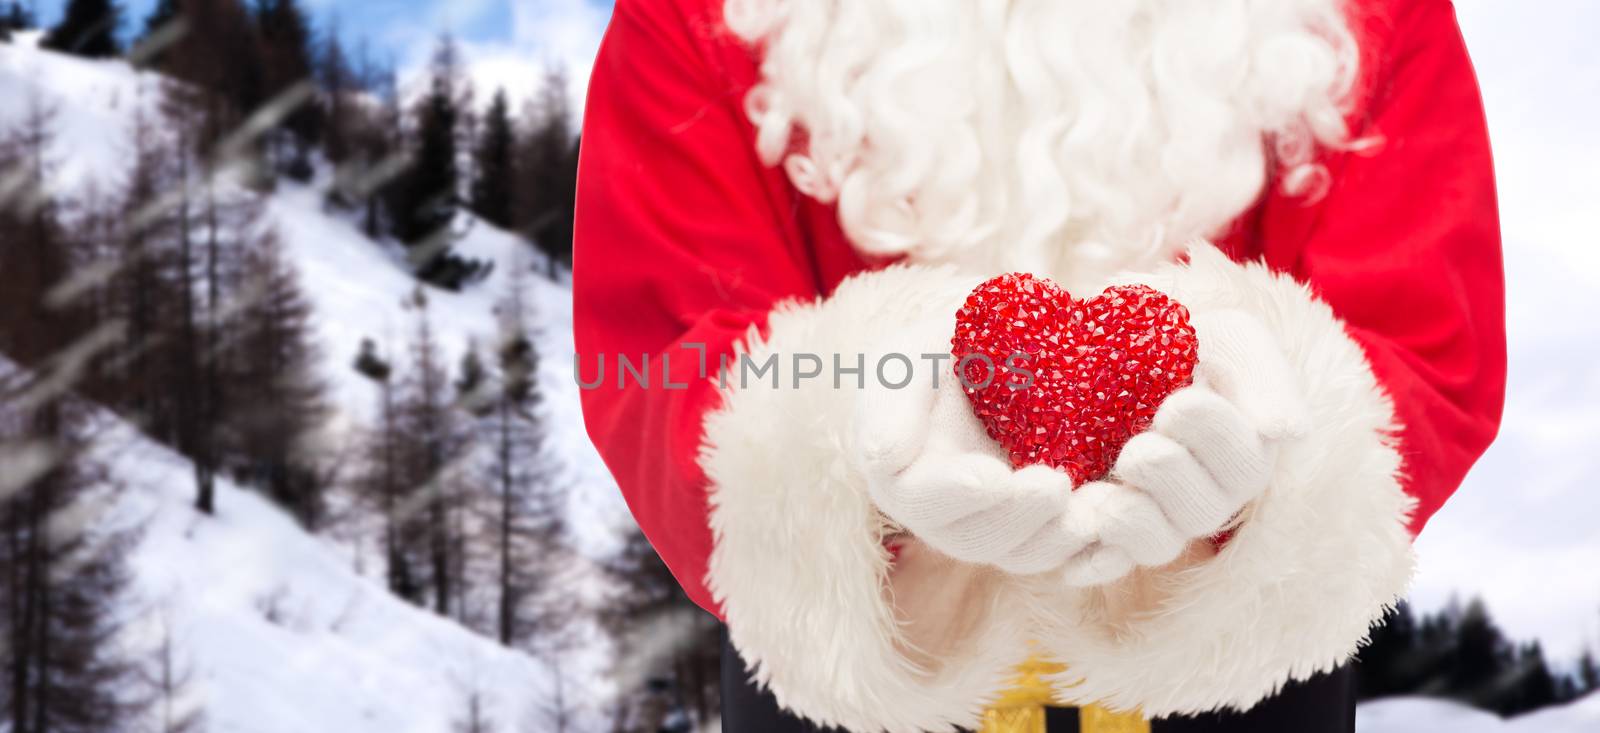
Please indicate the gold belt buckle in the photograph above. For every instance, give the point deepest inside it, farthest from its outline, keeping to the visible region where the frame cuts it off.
(1020, 709)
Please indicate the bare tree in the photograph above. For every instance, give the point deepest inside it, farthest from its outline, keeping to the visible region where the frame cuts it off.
(61, 568)
(382, 480)
(494, 165)
(526, 523)
(474, 716)
(547, 172)
(669, 650)
(281, 404)
(170, 682)
(137, 290)
(558, 713)
(432, 443)
(218, 55)
(339, 85)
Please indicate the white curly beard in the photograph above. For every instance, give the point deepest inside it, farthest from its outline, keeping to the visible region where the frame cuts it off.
(1054, 136)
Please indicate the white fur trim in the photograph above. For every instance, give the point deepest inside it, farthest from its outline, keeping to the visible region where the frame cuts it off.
(1318, 559)
(805, 584)
(809, 591)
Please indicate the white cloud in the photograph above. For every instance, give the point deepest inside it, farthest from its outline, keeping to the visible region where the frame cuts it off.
(544, 34)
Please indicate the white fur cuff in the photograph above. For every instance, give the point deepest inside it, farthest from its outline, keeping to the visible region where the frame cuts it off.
(841, 634)
(846, 637)
(1315, 561)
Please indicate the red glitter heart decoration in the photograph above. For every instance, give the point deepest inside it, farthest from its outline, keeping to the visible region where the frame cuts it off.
(1066, 382)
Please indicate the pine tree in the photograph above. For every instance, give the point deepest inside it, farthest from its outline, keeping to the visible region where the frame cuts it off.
(339, 83)
(1460, 653)
(1388, 663)
(194, 388)
(475, 717)
(177, 258)
(547, 166)
(19, 17)
(169, 681)
(646, 607)
(61, 671)
(493, 191)
(433, 443)
(219, 222)
(87, 28)
(558, 713)
(139, 377)
(524, 516)
(35, 251)
(14, 17)
(428, 204)
(424, 200)
(1481, 657)
(1534, 687)
(164, 13)
(281, 401)
(1588, 672)
(61, 569)
(287, 61)
(374, 167)
(219, 55)
(382, 481)
(1566, 689)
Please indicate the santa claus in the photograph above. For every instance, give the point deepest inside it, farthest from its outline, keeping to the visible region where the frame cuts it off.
(772, 178)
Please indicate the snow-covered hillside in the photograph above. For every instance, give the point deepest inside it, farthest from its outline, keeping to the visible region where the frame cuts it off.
(285, 631)
(356, 286)
(1426, 715)
(277, 632)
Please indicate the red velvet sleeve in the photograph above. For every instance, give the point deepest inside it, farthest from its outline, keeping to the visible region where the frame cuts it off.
(1406, 248)
(678, 242)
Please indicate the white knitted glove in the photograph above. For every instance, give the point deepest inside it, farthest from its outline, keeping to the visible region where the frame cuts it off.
(932, 469)
(1211, 450)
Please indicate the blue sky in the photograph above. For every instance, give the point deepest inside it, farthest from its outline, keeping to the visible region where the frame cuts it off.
(387, 22)
(506, 42)
(489, 21)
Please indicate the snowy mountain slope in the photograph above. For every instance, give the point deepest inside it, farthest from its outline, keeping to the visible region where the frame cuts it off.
(356, 288)
(338, 653)
(1427, 715)
(93, 103)
(277, 631)
(354, 284)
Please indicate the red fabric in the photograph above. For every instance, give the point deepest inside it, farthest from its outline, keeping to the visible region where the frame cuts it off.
(683, 236)
(1406, 246)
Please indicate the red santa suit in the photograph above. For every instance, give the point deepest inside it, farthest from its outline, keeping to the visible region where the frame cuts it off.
(1383, 286)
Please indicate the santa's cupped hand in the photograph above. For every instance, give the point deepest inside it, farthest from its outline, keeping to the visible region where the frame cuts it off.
(931, 468)
(1210, 451)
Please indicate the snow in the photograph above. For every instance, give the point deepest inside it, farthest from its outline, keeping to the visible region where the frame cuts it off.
(356, 288)
(355, 285)
(1427, 715)
(283, 630)
(93, 102)
(277, 630)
